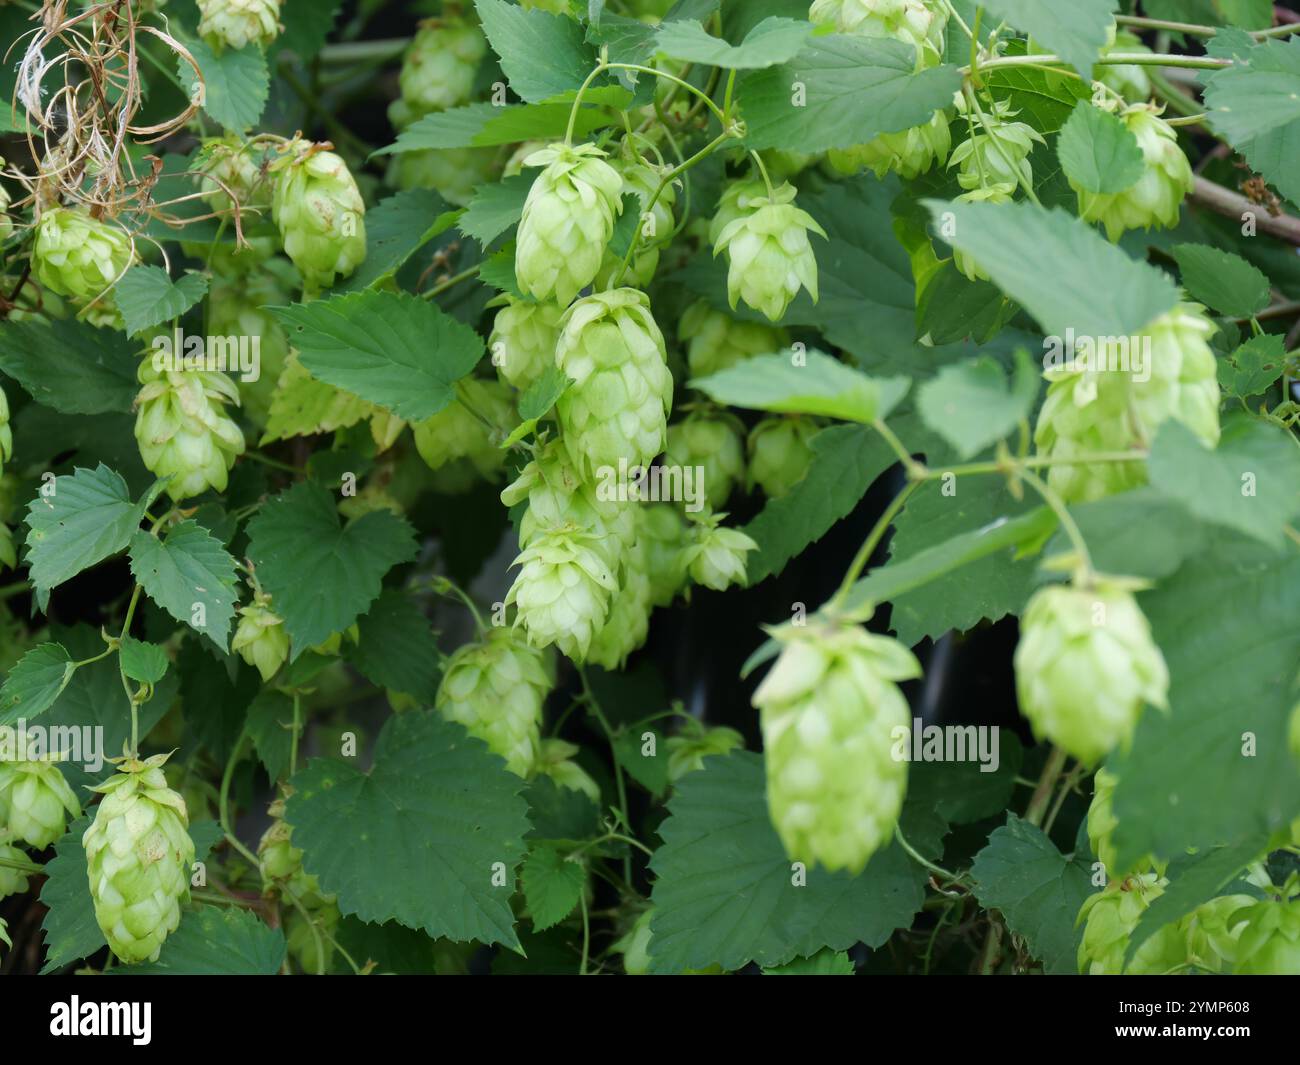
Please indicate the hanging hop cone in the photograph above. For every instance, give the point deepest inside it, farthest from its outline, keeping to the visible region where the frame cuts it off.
(1213, 931)
(35, 802)
(1269, 941)
(780, 452)
(496, 687)
(12, 881)
(715, 555)
(523, 339)
(829, 710)
(183, 430)
(714, 340)
(628, 623)
(78, 256)
(567, 221)
(1130, 80)
(997, 154)
(738, 199)
(617, 407)
(260, 638)
(1156, 198)
(6, 433)
(710, 442)
(229, 168)
(138, 858)
(558, 764)
(238, 312)
(665, 534)
(769, 254)
(993, 194)
(1100, 633)
(454, 173)
(320, 213)
(438, 68)
(908, 153)
(688, 749)
(1109, 918)
(456, 433)
(237, 23)
(281, 862)
(915, 22)
(641, 179)
(562, 591)
(1168, 371)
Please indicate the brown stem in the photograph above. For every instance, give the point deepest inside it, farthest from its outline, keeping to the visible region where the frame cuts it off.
(1234, 205)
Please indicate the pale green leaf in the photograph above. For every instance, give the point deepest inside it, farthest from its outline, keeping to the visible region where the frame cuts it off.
(497, 207)
(552, 886)
(772, 41)
(1098, 152)
(970, 405)
(235, 83)
(147, 296)
(823, 963)
(1253, 368)
(1222, 280)
(143, 662)
(35, 682)
(395, 230)
(1258, 96)
(1073, 29)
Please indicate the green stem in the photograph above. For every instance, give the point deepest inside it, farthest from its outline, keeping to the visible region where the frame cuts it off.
(9, 591)
(274, 464)
(1042, 796)
(1025, 183)
(594, 706)
(917, 857)
(872, 541)
(767, 181)
(1140, 59)
(223, 802)
(726, 97)
(1194, 30)
(450, 282)
(915, 470)
(586, 933)
(132, 698)
(676, 81)
(1067, 521)
(22, 865)
(297, 730)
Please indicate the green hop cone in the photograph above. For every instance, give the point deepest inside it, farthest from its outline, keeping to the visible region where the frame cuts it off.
(439, 67)
(1293, 733)
(78, 256)
(713, 442)
(829, 710)
(456, 433)
(628, 623)
(183, 430)
(665, 534)
(562, 591)
(230, 175)
(454, 173)
(138, 858)
(714, 340)
(715, 555)
(1130, 80)
(1213, 930)
(780, 451)
(567, 221)
(1105, 409)
(996, 154)
(6, 433)
(1159, 193)
(237, 311)
(635, 946)
(1268, 943)
(688, 749)
(496, 688)
(915, 22)
(12, 881)
(1085, 665)
(617, 407)
(641, 179)
(908, 152)
(320, 213)
(769, 255)
(238, 23)
(738, 199)
(557, 763)
(1102, 823)
(523, 339)
(260, 638)
(310, 939)
(1111, 915)
(36, 801)
(993, 194)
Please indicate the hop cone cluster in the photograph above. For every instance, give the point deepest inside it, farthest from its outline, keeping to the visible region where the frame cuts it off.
(1158, 195)
(714, 340)
(567, 220)
(35, 802)
(496, 687)
(1110, 917)
(828, 710)
(628, 622)
(455, 433)
(1085, 665)
(138, 857)
(438, 69)
(183, 430)
(769, 255)
(237, 23)
(909, 152)
(714, 442)
(1087, 411)
(455, 173)
(665, 534)
(320, 213)
(1268, 943)
(260, 638)
(523, 339)
(780, 452)
(997, 152)
(78, 256)
(617, 407)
